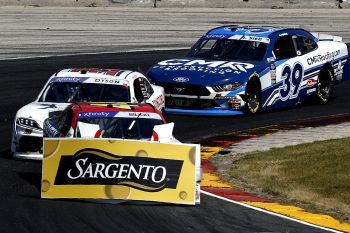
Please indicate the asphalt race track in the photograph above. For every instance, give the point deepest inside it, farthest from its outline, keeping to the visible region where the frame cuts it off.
(22, 210)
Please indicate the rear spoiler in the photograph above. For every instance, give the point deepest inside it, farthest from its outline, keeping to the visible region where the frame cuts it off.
(326, 37)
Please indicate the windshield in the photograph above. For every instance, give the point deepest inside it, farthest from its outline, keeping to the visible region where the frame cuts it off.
(228, 49)
(59, 92)
(128, 128)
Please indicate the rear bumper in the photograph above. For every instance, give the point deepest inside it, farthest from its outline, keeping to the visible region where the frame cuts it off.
(205, 112)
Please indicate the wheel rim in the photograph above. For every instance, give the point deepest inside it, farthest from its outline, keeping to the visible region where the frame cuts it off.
(253, 99)
(324, 91)
(324, 87)
(253, 102)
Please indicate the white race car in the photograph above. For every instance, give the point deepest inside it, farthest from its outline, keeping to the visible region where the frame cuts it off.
(78, 85)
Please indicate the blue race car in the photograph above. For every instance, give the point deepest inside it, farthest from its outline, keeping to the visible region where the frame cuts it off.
(233, 70)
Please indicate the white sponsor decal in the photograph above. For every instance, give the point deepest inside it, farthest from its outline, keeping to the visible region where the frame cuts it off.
(320, 58)
(181, 79)
(283, 34)
(86, 169)
(251, 38)
(311, 90)
(215, 36)
(338, 70)
(138, 115)
(220, 67)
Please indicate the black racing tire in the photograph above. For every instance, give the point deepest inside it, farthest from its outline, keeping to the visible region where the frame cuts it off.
(253, 96)
(325, 85)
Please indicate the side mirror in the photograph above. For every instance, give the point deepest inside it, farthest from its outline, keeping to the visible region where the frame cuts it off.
(163, 133)
(88, 130)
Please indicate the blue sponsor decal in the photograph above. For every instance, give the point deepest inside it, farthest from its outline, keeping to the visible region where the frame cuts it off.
(47, 106)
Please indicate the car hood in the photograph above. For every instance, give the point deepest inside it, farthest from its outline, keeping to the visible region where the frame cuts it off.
(203, 72)
(40, 111)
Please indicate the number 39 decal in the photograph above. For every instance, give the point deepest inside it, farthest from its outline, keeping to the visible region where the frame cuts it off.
(291, 80)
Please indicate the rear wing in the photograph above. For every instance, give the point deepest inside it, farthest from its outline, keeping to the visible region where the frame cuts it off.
(326, 37)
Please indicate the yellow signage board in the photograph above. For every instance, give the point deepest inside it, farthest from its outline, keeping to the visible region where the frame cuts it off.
(119, 169)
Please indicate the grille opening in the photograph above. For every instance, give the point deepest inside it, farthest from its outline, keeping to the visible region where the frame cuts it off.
(30, 144)
(185, 89)
(187, 103)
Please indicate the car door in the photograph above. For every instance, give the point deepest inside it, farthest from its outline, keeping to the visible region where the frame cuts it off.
(307, 49)
(289, 73)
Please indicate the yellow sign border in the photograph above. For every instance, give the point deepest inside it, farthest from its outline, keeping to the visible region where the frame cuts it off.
(55, 148)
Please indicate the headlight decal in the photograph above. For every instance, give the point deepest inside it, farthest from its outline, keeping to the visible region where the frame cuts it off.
(227, 87)
(28, 123)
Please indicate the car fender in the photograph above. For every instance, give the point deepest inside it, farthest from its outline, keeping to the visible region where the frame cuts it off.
(157, 99)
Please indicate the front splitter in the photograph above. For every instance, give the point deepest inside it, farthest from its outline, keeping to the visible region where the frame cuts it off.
(30, 156)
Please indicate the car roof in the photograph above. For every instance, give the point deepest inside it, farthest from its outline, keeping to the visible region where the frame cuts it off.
(114, 107)
(95, 73)
(261, 31)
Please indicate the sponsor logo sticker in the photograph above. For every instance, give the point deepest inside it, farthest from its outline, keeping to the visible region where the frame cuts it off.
(48, 106)
(83, 115)
(251, 38)
(212, 67)
(323, 57)
(119, 169)
(68, 80)
(93, 166)
(181, 79)
(312, 90)
(311, 82)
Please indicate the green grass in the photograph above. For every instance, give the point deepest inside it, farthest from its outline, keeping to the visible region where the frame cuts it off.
(314, 176)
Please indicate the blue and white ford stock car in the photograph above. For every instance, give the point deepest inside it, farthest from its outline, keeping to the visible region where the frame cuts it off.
(233, 70)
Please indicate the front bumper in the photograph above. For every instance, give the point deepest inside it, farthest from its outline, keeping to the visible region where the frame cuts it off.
(27, 145)
(217, 104)
(205, 112)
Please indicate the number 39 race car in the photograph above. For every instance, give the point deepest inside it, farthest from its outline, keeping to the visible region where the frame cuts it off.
(233, 70)
(77, 85)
